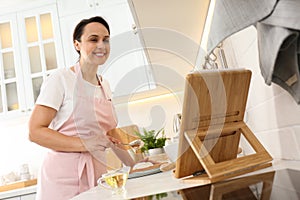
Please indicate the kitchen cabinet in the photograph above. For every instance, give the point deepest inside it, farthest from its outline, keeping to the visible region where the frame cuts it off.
(127, 69)
(10, 64)
(30, 49)
(171, 31)
(13, 198)
(28, 197)
(23, 193)
(68, 7)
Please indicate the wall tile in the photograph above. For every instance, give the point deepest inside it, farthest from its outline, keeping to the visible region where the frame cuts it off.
(280, 143)
(271, 112)
(281, 111)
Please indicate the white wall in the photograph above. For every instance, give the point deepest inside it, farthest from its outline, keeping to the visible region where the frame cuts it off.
(16, 149)
(151, 113)
(271, 112)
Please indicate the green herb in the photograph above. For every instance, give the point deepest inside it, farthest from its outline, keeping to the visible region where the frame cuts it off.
(151, 139)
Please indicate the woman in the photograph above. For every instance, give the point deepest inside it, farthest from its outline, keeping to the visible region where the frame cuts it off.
(72, 116)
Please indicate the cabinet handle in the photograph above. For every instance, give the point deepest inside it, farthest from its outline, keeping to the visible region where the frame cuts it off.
(134, 28)
(90, 3)
(97, 4)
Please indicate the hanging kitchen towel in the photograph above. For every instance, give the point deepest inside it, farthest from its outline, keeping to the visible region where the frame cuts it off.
(278, 47)
(231, 16)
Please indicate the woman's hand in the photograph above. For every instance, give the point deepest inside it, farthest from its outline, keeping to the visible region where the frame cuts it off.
(113, 140)
(99, 142)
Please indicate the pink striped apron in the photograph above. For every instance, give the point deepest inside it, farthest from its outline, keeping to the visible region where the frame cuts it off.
(65, 174)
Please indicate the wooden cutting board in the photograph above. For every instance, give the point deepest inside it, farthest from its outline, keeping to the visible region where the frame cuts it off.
(18, 185)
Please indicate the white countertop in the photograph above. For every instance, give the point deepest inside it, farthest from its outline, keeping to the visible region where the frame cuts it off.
(164, 182)
(18, 192)
(142, 186)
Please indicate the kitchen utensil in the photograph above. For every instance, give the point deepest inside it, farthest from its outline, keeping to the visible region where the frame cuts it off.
(135, 143)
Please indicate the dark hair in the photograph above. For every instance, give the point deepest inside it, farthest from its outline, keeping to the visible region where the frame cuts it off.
(78, 31)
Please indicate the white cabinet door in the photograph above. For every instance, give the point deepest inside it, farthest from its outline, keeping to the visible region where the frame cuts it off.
(41, 48)
(28, 197)
(71, 7)
(30, 49)
(126, 68)
(11, 72)
(13, 198)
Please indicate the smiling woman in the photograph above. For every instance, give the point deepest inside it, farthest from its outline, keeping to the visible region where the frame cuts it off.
(74, 124)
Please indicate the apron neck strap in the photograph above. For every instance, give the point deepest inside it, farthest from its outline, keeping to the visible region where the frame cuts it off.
(77, 69)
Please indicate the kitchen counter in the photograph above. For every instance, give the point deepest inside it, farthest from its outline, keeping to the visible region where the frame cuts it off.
(146, 185)
(18, 192)
(165, 182)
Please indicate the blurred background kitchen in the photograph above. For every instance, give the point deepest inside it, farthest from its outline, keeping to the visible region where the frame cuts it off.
(147, 84)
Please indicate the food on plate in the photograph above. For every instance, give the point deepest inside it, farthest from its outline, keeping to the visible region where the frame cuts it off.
(142, 165)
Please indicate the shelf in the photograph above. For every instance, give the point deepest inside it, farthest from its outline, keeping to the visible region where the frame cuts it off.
(18, 185)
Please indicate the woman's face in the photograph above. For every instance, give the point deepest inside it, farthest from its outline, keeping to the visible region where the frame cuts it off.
(94, 46)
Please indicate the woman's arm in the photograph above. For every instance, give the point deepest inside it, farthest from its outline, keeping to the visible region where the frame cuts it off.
(39, 132)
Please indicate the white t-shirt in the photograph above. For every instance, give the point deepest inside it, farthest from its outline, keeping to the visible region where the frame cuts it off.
(57, 92)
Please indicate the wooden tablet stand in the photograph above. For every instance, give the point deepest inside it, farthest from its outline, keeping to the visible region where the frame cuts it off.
(212, 125)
